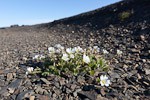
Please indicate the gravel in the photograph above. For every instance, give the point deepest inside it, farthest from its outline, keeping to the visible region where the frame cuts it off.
(129, 72)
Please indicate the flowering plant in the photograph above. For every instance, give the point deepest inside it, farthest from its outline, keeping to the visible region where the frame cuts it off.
(103, 80)
(74, 61)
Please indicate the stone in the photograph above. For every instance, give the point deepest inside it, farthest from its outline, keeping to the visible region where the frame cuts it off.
(88, 87)
(13, 85)
(14, 74)
(73, 86)
(102, 91)
(62, 82)
(80, 79)
(45, 92)
(11, 90)
(13, 97)
(24, 94)
(147, 71)
(68, 91)
(45, 81)
(88, 94)
(32, 98)
(147, 92)
(9, 76)
(2, 83)
(39, 90)
(142, 37)
(2, 77)
(99, 97)
(133, 50)
(43, 97)
(57, 91)
(54, 95)
(114, 75)
(75, 94)
(24, 58)
(56, 84)
(1, 71)
(6, 94)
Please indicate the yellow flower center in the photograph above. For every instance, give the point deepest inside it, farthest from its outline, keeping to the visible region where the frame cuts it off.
(104, 81)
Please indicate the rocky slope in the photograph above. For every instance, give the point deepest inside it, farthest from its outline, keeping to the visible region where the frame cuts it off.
(121, 26)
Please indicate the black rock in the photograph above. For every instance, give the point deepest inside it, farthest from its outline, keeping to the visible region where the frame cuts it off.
(87, 95)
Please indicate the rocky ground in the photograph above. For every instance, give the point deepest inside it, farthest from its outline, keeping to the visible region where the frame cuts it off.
(129, 72)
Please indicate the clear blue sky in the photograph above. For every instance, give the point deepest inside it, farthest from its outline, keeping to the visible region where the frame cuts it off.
(28, 12)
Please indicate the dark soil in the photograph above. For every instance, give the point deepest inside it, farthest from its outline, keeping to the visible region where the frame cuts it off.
(129, 72)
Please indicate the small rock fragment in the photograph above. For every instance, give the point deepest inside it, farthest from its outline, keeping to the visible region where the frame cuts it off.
(99, 97)
(25, 94)
(32, 98)
(147, 71)
(9, 76)
(11, 90)
(45, 81)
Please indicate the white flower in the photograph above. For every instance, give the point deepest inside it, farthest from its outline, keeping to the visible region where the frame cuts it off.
(119, 52)
(104, 81)
(36, 57)
(71, 56)
(41, 57)
(65, 57)
(96, 48)
(58, 46)
(69, 50)
(29, 70)
(51, 49)
(78, 49)
(86, 59)
(105, 51)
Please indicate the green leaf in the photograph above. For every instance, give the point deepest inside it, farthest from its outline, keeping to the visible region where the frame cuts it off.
(92, 72)
(98, 80)
(101, 62)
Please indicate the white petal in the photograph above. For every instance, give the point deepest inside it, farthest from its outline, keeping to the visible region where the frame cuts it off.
(30, 69)
(86, 59)
(58, 46)
(102, 83)
(101, 77)
(107, 83)
(71, 56)
(36, 57)
(105, 77)
(105, 51)
(51, 49)
(65, 57)
(68, 50)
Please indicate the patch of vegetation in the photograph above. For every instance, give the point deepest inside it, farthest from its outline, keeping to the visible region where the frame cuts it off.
(125, 15)
(71, 61)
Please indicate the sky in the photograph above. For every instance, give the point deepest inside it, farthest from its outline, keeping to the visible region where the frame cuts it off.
(30, 12)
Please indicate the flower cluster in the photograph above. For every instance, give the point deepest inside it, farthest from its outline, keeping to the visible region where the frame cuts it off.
(61, 60)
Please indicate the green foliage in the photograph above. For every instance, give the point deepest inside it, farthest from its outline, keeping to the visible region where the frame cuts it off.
(73, 61)
(124, 15)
